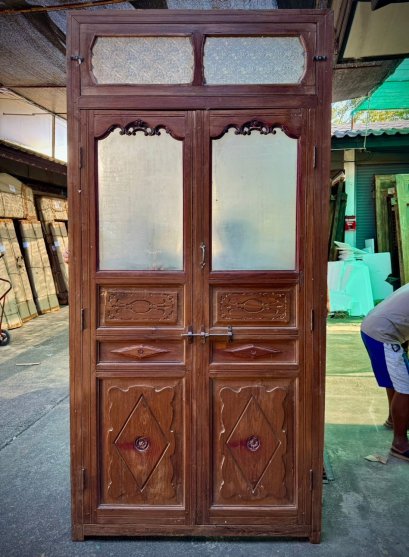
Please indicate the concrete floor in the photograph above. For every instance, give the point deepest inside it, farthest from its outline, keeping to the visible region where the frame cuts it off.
(365, 507)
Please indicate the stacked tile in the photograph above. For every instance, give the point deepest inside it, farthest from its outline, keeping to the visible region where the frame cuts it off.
(16, 270)
(53, 213)
(38, 266)
(10, 317)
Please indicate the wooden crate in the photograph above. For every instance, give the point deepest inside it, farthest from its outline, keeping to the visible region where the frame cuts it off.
(38, 266)
(16, 269)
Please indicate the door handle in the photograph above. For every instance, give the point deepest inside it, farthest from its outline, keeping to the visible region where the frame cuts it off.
(203, 260)
(204, 335)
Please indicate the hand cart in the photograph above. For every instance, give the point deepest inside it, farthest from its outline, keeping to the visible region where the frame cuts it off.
(4, 335)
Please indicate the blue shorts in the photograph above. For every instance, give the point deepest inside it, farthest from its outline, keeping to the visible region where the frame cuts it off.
(389, 363)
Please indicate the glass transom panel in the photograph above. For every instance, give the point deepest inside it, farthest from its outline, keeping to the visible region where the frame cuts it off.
(254, 198)
(140, 189)
(253, 60)
(143, 60)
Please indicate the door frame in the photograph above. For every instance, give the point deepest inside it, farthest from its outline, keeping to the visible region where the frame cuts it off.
(313, 95)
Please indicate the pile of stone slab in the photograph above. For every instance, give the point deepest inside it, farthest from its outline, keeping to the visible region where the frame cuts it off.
(38, 276)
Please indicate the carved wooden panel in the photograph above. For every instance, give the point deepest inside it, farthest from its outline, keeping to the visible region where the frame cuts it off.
(254, 306)
(141, 351)
(253, 444)
(141, 440)
(140, 306)
(272, 351)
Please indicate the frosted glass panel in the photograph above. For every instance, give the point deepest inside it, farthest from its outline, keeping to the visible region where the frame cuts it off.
(254, 202)
(140, 185)
(143, 60)
(253, 60)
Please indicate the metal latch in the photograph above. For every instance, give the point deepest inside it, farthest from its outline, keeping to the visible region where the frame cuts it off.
(205, 335)
(77, 58)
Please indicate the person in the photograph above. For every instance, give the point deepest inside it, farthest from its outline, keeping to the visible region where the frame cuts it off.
(384, 330)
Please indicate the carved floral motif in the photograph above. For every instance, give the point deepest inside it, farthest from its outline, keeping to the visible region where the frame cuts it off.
(252, 125)
(254, 306)
(134, 305)
(141, 126)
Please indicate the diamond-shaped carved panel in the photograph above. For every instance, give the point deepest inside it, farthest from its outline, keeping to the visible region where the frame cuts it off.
(139, 352)
(141, 443)
(252, 443)
(252, 351)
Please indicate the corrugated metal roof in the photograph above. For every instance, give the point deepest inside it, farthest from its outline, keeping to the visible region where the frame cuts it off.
(393, 94)
(379, 128)
(39, 156)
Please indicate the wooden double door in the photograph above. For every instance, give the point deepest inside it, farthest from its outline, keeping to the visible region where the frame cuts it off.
(198, 406)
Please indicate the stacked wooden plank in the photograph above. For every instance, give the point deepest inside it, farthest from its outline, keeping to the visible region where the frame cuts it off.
(338, 201)
(33, 287)
(52, 208)
(53, 213)
(8, 305)
(38, 266)
(16, 199)
(16, 270)
(59, 235)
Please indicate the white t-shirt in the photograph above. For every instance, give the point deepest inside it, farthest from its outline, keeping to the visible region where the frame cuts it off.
(389, 321)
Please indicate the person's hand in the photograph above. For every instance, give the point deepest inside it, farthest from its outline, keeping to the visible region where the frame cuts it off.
(66, 256)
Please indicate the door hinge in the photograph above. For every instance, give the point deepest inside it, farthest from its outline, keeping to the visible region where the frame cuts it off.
(83, 479)
(312, 320)
(311, 480)
(82, 319)
(320, 58)
(314, 157)
(81, 157)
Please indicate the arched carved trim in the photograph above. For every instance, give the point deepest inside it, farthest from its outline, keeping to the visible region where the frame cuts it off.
(139, 126)
(256, 125)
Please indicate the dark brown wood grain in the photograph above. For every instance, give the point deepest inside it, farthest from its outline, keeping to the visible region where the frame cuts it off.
(208, 435)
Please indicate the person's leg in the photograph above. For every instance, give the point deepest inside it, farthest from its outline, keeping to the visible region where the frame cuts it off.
(396, 361)
(389, 422)
(400, 418)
